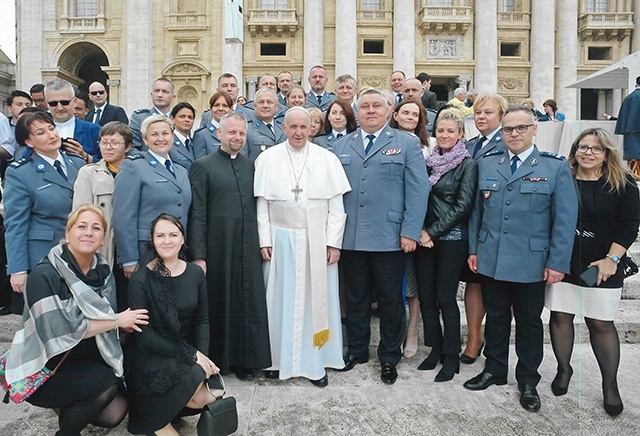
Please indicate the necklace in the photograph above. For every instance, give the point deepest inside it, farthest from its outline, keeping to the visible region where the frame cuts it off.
(297, 190)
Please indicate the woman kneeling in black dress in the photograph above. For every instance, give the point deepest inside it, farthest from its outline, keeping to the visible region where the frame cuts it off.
(166, 363)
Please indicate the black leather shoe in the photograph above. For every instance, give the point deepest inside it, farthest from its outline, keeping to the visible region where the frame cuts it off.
(245, 374)
(272, 374)
(468, 359)
(529, 398)
(483, 380)
(432, 359)
(321, 383)
(389, 374)
(450, 367)
(350, 361)
(560, 384)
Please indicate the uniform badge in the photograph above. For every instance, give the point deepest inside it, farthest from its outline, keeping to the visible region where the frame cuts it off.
(391, 151)
(487, 194)
(263, 147)
(534, 161)
(40, 167)
(153, 163)
(503, 159)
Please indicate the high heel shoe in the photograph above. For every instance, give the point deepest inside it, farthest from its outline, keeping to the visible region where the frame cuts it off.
(557, 387)
(432, 359)
(450, 367)
(613, 409)
(411, 348)
(468, 359)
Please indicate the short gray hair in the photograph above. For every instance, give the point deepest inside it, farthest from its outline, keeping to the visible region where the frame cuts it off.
(520, 108)
(58, 84)
(156, 118)
(459, 91)
(263, 90)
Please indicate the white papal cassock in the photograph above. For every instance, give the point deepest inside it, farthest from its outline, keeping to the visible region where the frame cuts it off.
(302, 290)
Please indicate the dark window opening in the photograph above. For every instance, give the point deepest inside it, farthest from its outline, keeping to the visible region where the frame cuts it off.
(273, 49)
(373, 47)
(510, 49)
(599, 53)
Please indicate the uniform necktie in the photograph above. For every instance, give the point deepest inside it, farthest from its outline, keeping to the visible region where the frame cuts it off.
(514, 164)
(98, 113)
(398, 98)
(371, 138)
(478, 146)
(339, 135)
(187, 144)
(58, 167)
(167, 164)
(270, 127)
(319, 97)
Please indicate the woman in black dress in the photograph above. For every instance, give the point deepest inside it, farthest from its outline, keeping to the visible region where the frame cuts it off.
(607, 225)
(166, 363)
(70, 301)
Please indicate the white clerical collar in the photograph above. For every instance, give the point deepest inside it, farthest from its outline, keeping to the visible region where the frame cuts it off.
(522, 156)
(365, 140)
(159, 158)
(51, 161)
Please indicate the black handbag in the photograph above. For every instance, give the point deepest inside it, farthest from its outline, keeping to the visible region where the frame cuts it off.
(629, 266)
(219, 418)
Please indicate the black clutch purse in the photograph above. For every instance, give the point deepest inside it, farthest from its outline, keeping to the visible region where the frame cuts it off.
(219, 418)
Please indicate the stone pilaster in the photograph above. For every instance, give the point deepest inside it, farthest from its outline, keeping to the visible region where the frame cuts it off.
(541, 78)
(635, 35)
(346, 38)
(566, 58)
(486, 41)
(137, 58)
(31, 46)
(404, 29)
(313, 37)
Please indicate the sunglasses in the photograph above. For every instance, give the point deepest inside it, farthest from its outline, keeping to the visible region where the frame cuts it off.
(97, 92)
(54, 103)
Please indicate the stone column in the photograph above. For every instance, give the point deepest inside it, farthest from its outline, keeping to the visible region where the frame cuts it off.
(541, 78)
(346, 38)
(616, 101)
(602, 102)
(463, 81)
(404, 30)
(252, 83)
(313, 37)
(231, 58)
(566, 57)
(635, 35)
(137, 58)
(30, 42)
(486, 42)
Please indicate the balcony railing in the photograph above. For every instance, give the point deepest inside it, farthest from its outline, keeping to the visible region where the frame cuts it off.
(514, 19)
(452, 20)
(95, 24)
(374, 15)
(605, 25)
(186, 21)
(268, 21)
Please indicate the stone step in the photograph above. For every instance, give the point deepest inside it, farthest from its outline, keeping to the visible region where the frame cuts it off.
(627, 322)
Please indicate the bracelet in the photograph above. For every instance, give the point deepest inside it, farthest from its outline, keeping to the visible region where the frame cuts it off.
(116, 328)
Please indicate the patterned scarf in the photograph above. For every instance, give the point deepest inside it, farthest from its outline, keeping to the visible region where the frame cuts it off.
(52, 326)
(441, 163)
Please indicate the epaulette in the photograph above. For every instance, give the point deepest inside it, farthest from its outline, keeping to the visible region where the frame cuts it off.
(331, 93)
(135, 156)
(200, 128)
(74, 155)
(493, 153)
(553, 155)
(142, 111)
(20, 162)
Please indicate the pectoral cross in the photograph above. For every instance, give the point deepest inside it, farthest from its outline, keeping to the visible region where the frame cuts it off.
(297, 190)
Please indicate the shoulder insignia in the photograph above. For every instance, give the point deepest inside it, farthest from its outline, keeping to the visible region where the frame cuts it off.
(498, 138)
(142, 111)
(493, 153)
(153, 163)
(41, 167)
(553, 155)
(21, 162)
(135, 156)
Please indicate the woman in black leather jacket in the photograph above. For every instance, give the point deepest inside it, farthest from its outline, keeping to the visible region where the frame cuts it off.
(453, 176)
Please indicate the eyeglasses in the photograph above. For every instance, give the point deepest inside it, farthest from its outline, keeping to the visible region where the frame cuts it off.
(97, 92)
(54, 103)
(111, 144)
(596, 149)
(520, 129)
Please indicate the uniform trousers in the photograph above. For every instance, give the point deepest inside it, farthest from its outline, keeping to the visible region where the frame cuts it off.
(527, 300)
(384, 271)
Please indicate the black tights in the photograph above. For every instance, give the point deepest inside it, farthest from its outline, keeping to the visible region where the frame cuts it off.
(604, 342)
(107, 410)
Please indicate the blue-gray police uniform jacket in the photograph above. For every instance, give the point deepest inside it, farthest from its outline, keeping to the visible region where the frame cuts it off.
(137, 117)
(523, 222)
(37, 202)
(180, 155)
(205, 141)
(250, 113)
(327, 98)
(259, 137)
(390, 190)
(494, 144)
(143, 190)
(326, 141)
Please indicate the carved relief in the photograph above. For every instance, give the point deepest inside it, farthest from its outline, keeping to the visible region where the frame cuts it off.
(184, 69)
(188, 48)
(377, 82)
(510, 84)
(443, 48)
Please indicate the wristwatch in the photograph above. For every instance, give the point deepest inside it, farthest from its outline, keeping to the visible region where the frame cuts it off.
(614, 258)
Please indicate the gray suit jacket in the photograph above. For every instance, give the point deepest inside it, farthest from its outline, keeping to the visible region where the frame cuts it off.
(142, 191)
(390, 190)
(523, 222)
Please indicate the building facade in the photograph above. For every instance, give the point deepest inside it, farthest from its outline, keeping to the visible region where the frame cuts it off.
(519, 48)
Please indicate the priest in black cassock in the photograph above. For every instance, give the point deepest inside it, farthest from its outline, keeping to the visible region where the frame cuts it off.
(223, 240)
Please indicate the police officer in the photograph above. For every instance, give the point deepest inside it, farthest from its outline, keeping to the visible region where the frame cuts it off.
(147, 184)
(264, 129)
(162, 96)
(520, 238)
(182, 152)
(205, 139)
(38, 196)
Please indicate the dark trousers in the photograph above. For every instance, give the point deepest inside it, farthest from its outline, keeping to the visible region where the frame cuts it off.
(384, 271)
(438, 272)
(527, 300)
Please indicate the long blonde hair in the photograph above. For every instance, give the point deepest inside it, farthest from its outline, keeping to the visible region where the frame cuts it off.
(616, 176)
